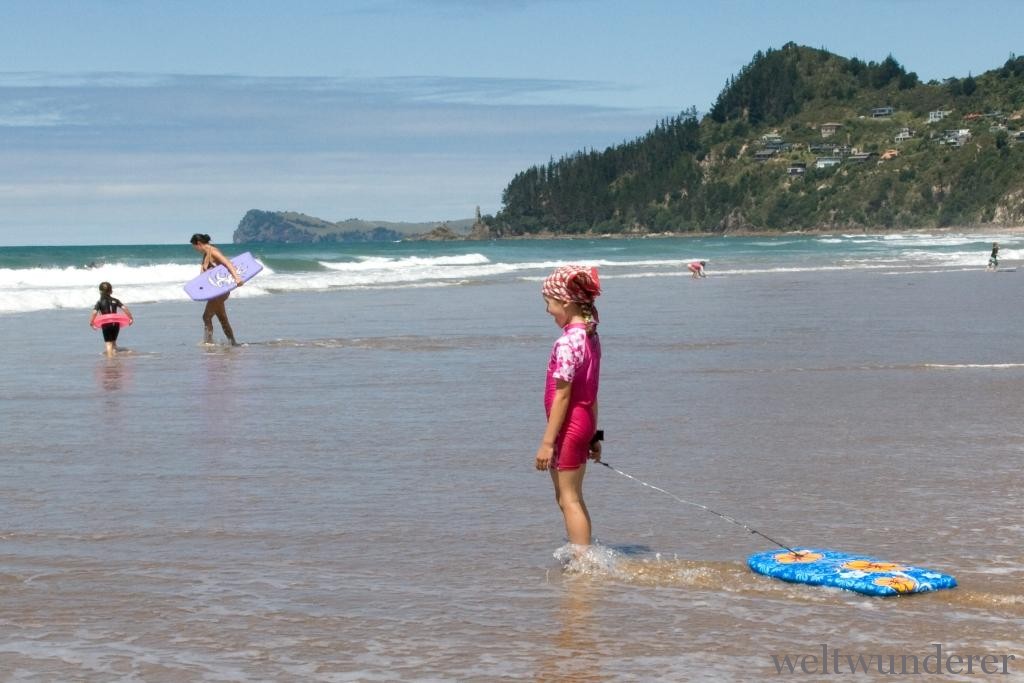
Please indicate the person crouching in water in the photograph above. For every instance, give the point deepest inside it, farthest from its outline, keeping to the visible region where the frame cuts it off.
(212, 257)
(697, 269)
(570, 395)
(108, 304)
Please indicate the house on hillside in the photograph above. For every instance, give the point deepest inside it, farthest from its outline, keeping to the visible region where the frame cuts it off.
(829, 129)
(882, 112)
(797, 168)
(938, 115)
(830, 149)
(955, 138)
(861, 157)
(765, 154)
(973, 116)
(774, 141)
(1017, 136)
(827, 162)
(889, 154)
(904, 135)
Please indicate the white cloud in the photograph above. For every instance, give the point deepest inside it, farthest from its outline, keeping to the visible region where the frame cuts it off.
(124, 153)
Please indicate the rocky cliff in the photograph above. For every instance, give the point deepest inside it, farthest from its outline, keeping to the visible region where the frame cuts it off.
(290, 226)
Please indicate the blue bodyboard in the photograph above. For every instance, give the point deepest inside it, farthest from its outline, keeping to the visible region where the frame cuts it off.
(858, 573)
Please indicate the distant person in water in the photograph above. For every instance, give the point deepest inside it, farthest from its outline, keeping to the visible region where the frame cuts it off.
(570, 394)
(108, 304)
(697, 269)
(212, 257)
(993, 260)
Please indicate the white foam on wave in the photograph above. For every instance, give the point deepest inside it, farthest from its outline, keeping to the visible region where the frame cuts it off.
(385, 263)
(33, 289)
(378, 271)
(38, 289)
(743, 271)
(963, 366)
(974, 257)
(118, 273)
(917, 239)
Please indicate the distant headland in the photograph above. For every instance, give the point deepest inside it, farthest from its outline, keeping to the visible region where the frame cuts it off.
(294, 227)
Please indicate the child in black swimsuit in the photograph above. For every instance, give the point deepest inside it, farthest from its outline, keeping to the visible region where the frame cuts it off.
(108, 304)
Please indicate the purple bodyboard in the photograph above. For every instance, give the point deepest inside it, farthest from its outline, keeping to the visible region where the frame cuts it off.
(218, 281)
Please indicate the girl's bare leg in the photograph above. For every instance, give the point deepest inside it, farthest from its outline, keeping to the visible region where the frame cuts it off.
(569, 495)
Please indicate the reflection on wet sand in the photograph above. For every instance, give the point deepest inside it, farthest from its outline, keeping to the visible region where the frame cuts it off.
(576, 657)
(112, 374)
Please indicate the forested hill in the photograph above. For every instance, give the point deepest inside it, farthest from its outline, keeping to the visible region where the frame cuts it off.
(801, 138)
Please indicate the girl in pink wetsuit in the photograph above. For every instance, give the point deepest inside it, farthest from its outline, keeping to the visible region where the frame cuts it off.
(570, 396)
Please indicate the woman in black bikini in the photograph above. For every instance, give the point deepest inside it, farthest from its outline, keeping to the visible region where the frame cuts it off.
(212, 257)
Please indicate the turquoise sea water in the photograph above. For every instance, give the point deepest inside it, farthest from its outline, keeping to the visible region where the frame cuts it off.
(350, 495)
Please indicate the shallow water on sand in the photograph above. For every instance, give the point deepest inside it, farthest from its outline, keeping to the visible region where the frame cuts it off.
(350, 496)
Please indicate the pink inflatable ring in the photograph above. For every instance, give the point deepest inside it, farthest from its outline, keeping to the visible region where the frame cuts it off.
(111, 319)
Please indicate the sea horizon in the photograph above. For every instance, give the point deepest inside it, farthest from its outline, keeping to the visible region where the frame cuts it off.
(544, 236)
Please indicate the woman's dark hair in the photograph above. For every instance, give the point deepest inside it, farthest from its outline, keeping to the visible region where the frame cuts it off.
(199, 238)
(106, 289)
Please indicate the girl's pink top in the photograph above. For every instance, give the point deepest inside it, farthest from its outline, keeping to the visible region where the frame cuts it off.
(575, 358)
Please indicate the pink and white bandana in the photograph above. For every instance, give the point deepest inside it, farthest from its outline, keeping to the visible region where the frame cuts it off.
(577, 284)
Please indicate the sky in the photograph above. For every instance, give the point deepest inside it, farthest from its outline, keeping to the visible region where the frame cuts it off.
(144, 121)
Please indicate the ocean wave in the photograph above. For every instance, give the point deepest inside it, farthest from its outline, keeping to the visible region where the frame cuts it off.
(743, 271)
(367, 263)
(975, 257)
(58, 298)
(36, 289)
(923, 240)
(119, 273)
(56, 279)
(972, 366)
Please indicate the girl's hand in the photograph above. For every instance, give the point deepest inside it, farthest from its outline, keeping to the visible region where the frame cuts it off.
(544, 456)
(595, 451)
(238, 280)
